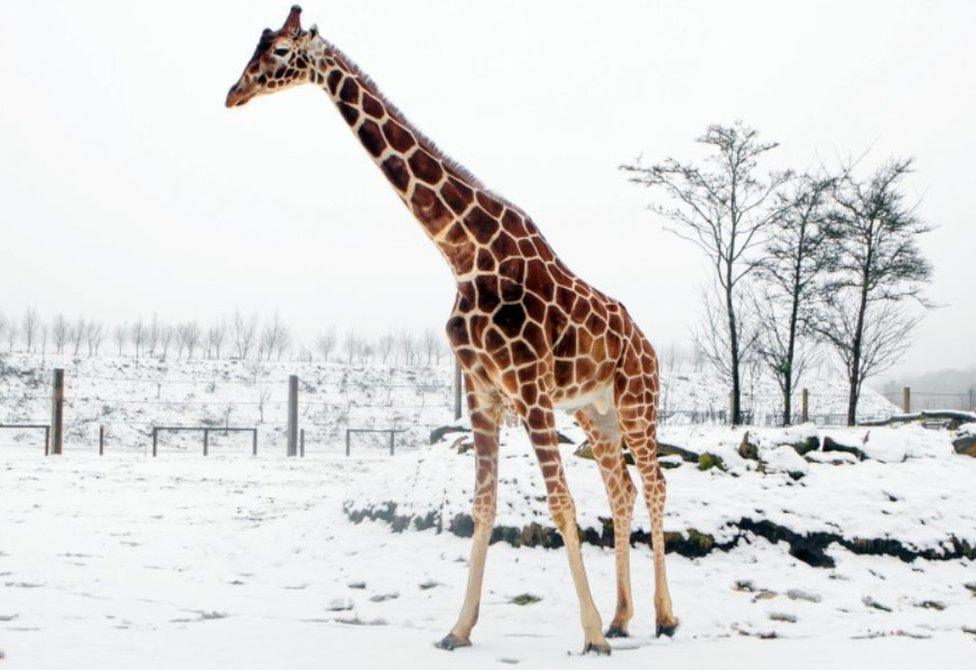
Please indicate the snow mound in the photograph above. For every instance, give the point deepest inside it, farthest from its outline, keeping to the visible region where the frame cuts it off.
(893, 503)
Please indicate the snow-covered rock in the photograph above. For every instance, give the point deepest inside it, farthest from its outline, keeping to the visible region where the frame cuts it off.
(884, 504)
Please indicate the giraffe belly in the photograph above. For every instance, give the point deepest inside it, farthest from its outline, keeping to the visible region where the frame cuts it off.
(601, 399)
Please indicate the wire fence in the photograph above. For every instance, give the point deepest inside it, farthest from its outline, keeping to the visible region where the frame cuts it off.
(122, 410)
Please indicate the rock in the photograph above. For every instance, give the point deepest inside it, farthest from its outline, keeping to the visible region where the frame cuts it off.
(525, 599)
(664, 449)
(438, 433)
(339, 605)
(748, 449)
(382, 597)
(784, 459)
(965, 443)
(797, 594)
(707, 461)
(931, 605)
(965, 629)
(782, 616)
(829, 444)
(808, 444)
(430, 584)
(765, 594)
(356, 585)
(356, 621)
(891, 449)
(745, 585)
(462, 445)
(586, 451)
(874, 604)
(971, 586)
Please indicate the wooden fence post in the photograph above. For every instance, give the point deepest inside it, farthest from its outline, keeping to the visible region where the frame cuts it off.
(101, 440)
(392, 437)
(206, 441)
(155, 440)
(57, 413)
(804, 406)
(301, 443)
(972, 400)
(254, 442)
(906, 400)
(292, 415)
(458, 382)
(347, 442)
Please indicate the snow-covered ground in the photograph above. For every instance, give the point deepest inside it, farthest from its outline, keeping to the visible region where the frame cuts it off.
(182, 561)
(231, 561)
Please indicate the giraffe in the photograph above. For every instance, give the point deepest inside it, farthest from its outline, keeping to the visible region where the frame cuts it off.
(529, 335)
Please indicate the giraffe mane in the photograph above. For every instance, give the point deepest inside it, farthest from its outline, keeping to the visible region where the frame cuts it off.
(428, 144)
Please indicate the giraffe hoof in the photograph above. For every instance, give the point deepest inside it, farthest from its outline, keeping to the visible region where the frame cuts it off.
(616, 631)
(452, 642)
(667, 629)
(598, 648)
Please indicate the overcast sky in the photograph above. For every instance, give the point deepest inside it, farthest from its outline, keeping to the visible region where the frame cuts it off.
(126, 187)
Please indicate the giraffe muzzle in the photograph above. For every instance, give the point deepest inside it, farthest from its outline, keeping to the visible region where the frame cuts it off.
(236, 96)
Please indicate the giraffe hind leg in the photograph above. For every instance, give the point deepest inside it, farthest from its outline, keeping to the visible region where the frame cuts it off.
(600, 426)
(636, 401)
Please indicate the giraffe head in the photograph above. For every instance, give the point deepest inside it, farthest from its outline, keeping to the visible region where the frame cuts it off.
(280, 61)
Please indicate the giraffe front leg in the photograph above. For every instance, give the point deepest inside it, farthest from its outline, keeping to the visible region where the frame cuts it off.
(604, 437)
(540, 423)
(485, 416)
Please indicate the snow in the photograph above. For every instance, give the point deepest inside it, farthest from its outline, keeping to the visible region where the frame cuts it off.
(234, 561)
(182, 561)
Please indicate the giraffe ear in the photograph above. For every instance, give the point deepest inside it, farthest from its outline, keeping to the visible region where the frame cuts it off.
(313, 31)
(293, 24)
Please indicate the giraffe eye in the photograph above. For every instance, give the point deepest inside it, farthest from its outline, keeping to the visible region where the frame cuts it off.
(281, 51)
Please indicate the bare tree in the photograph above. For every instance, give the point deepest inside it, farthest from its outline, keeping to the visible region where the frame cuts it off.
(431, 342)
(875, 266)
(59, 333)
(215, 338)
(723, 207)
(795, 261)
(384, 345)
(166, 334)
(120, 335)
(44, 337)
(138, 336)
(325, 344)
(94, 336)
(351, 345)
(191, 337)
(77, 335)
(408, 347)
(13, 333)
(243, 332)
(275, 338)
(153, 334)
(264, 395)
(29, 327)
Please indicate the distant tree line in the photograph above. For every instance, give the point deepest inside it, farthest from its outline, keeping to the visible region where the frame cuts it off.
(237, 337)
(802, 263)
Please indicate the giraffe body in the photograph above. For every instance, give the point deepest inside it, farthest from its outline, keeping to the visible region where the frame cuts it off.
(530, 335)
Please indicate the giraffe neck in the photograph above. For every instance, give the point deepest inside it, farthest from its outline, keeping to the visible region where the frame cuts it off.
(452, 206)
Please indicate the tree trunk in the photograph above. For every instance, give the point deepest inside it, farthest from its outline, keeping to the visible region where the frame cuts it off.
(854, 372)
(736, 417)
